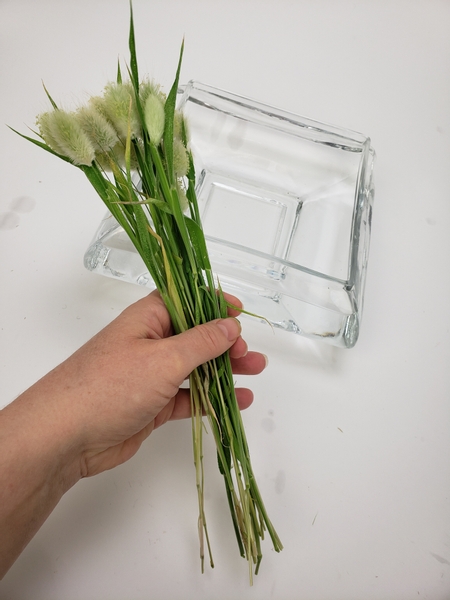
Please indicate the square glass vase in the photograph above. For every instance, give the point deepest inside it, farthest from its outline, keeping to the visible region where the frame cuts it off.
(286, 205)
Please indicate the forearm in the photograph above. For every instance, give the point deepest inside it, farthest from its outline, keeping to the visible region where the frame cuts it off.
(38, 464)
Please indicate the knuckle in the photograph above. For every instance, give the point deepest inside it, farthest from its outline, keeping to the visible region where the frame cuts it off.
(208, 336)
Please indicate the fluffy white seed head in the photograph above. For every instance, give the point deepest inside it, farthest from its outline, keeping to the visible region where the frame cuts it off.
(180, 126)
(148, 88)
(119, 107)
(98, 103)
(69, 138)
(154, 118)
(99, 130)
(43, 122)
(180, 158)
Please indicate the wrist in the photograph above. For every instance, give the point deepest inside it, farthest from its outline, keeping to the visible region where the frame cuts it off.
(43, 434)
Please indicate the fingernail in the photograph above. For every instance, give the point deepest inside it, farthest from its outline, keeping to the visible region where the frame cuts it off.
(266, 358)
(231, 328)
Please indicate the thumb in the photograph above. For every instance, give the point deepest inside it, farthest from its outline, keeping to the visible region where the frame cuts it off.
(196, 346)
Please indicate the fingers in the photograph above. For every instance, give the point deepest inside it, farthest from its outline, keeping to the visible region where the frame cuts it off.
(147, 318)
(239, 348)
(252, 363)
(244, 397)
(233, 301)
(181, 408)
(204, 342)
(200, 344)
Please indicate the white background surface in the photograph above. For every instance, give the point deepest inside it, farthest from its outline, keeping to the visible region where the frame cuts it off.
(351, 448)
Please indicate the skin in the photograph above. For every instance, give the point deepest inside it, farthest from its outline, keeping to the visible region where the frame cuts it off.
(93, 411)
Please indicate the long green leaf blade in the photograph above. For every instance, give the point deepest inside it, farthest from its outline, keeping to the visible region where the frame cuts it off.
(169, 109)
(132, 48)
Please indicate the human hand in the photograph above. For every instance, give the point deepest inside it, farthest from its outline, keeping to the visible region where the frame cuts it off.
(92, 412)
(126, 380)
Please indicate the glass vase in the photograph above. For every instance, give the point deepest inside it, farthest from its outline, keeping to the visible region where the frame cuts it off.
(286, 205)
